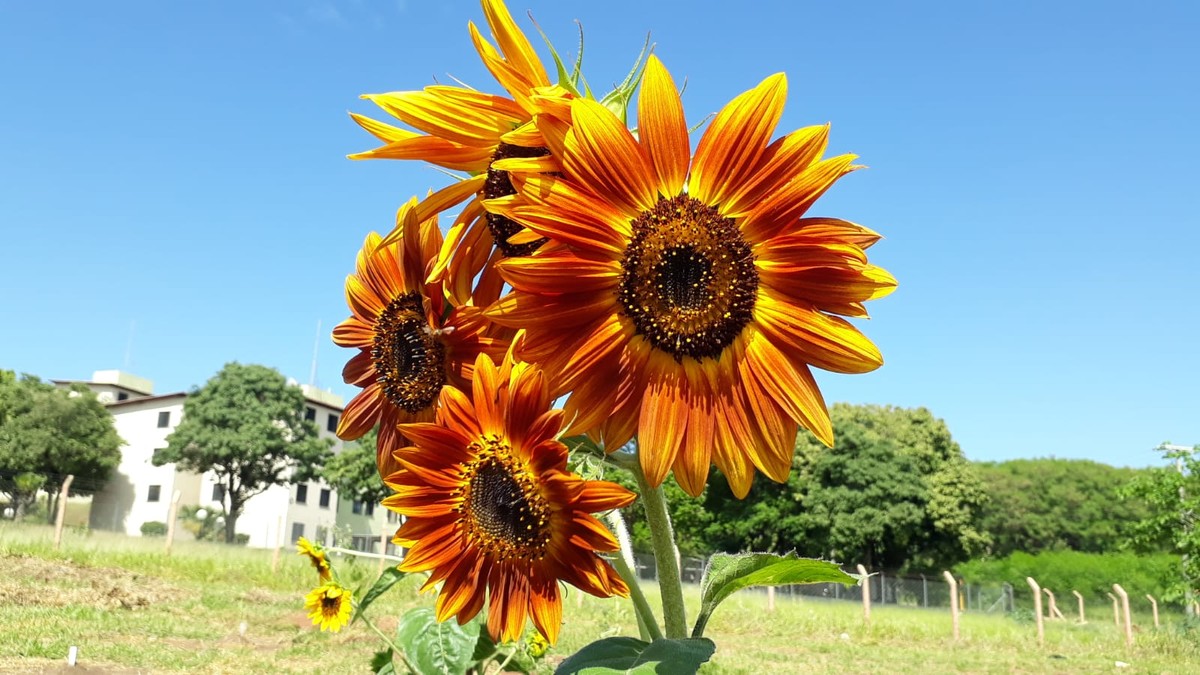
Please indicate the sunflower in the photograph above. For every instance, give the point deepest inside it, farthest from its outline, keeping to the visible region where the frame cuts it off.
(491, 508)
(329, 606)
(410, 341)
(466, 130)
(316, 555)
(686, 296)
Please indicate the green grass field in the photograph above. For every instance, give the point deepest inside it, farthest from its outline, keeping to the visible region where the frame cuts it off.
(129, 608)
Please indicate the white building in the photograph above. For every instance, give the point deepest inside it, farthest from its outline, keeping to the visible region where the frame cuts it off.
(138, 492)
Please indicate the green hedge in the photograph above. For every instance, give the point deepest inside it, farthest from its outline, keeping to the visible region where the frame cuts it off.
(153, 528)
(1092, 574)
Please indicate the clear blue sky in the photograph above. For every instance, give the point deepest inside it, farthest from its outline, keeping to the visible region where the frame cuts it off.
(180, 167)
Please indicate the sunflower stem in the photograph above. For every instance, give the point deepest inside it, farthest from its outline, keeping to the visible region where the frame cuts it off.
(666, 559)
(647, 624)
(396, 651)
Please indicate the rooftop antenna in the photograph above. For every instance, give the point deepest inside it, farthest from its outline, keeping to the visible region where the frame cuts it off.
(312, 374)
(129, 347)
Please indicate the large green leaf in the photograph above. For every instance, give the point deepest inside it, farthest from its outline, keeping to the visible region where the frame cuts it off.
(728, 573)
(433, 647)
(385, 581)
(638, 657)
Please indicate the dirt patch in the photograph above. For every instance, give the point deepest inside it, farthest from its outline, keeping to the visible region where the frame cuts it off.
(58, 583)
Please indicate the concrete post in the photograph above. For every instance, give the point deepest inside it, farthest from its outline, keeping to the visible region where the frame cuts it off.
(1154, 608)
(1116, 611)
(61, 515)
(1079, 597)
(953, 601)
(1037, 609)
(172, 515)
(1128, 619)
(866, 594)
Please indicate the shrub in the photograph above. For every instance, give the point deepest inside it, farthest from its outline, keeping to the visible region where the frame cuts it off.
(240, 539)
(1092, 574)
(154, 528)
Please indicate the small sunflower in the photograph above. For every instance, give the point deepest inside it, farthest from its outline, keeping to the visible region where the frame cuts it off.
(466, 130)
(492, 510)
(686, 295)
(316, 555)
(410, 341)
(329, 606)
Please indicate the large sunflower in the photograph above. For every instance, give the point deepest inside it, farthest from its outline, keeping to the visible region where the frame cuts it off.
(466, 130)
(411, 342)
(686, 295)
(492, 510)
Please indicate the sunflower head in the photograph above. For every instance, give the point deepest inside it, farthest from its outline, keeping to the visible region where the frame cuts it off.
(411, 339)
(316, 555)
(329, 606)
(492, 511)
(684, 296)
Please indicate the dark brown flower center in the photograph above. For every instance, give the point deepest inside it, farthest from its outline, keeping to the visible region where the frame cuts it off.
(499, 185)
(330, 605)
(503, 512)
(688, 281)
(409, 358)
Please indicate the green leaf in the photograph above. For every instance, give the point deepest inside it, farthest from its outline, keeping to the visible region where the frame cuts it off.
(729, 573)
(381, 663)
(433, 647)
(385, 581)
(633, 656)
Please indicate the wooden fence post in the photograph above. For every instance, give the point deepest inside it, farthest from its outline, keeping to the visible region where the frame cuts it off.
(61, 515)
(383, 540)
(1154, 608)
(1037, 609)
(866, 593)
(1128, 619)
(1116, 611)
(172, 514)
(278, 545)
(953, 601)
(1052, 611)
(1079, 597)
(770, 598)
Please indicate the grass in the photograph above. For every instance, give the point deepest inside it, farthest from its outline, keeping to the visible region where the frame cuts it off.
(129, 607)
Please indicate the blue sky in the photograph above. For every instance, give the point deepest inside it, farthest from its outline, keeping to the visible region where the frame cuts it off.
(179, 168)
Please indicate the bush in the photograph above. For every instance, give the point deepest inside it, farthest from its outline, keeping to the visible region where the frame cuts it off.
(240, 539)
(1092, 574)
(153, 528)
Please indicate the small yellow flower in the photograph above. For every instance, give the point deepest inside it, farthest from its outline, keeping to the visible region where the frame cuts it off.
(329, 606)
(537, 645)
(316, 555)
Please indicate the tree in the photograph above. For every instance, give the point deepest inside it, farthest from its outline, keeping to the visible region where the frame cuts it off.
(47, 433)
(894, 492)
(353, 472)
(1172, 497)
(247, 426)
(1057, 504)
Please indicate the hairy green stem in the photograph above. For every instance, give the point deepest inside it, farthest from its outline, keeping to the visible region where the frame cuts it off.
(396, 651)
(647, 624)
(662, 537)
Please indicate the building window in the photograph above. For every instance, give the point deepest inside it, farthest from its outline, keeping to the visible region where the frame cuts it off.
(356, 506)
(331, 424)
(370, 508)
(164, 419)
(310, 414)
(218, 494)
(393, 517)
(301, 494)
(322, 534)
(324, 498)
(153, 494)
(297, 531)
(121, 396)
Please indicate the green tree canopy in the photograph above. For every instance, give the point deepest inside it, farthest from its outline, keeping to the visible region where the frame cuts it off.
(247, 426)
(353, 472)
(47, 433)
(895, 492)
(1057, 504)
(1171, 495)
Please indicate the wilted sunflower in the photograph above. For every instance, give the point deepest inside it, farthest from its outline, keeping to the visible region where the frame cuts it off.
(329, 606)
(689, 296)
(316, 555)
(411, 342)
(492, 510)
(466, 130)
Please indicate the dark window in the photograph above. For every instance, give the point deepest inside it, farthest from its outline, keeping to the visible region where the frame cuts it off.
(218, 494)
(331, 425)
(164, 419)
(155, 491)
(301, 494)
(324, 498)
(121, 396)
(297, 531)
(310, 414)
(370, 508)
(393, 517)
(356, 506)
